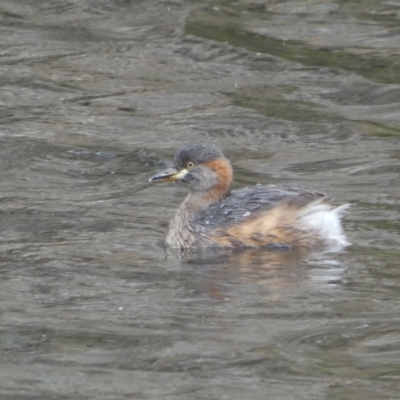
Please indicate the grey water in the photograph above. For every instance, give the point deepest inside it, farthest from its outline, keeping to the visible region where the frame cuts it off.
(95, 97)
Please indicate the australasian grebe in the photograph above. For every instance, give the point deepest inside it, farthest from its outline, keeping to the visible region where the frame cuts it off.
(272, 216)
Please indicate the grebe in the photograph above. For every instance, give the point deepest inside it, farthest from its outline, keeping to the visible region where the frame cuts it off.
(271, 216)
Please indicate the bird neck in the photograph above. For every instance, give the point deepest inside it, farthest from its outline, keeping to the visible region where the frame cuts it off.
(182, 228)
(197, 202)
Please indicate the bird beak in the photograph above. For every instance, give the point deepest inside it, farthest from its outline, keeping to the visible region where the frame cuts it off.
(169, 175)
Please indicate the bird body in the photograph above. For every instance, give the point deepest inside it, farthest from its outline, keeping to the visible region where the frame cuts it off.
(271, 216)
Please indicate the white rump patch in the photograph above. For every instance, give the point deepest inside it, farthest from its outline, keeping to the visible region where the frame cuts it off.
(325, 221)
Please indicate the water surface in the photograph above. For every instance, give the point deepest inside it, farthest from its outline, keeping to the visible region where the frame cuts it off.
(96, 96)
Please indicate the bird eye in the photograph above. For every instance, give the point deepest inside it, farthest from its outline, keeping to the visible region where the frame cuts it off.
(190, 164)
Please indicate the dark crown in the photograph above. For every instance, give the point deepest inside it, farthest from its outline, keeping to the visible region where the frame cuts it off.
(197, 153)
